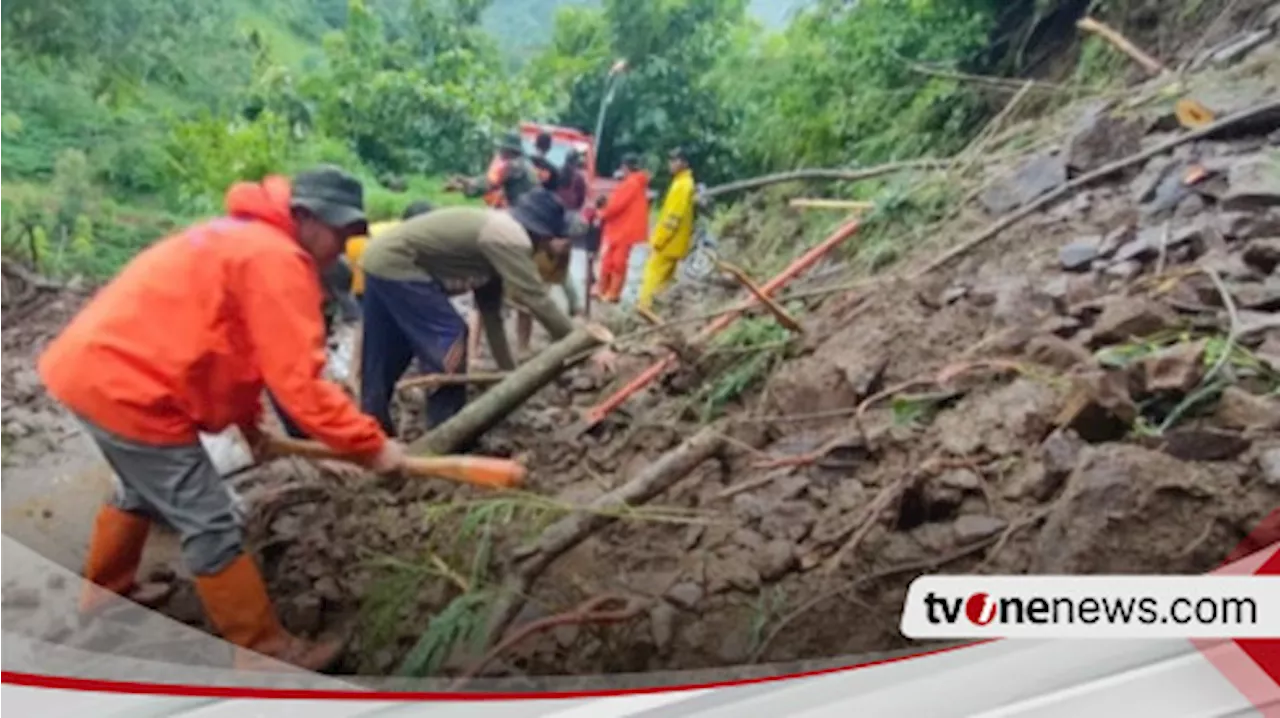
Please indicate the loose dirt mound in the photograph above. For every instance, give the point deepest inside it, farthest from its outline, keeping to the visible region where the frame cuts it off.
(1092, 391)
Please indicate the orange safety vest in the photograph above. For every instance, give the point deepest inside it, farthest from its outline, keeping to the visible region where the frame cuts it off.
(495, 197)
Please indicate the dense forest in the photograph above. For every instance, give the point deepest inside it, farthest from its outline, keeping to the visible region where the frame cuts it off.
(122, 118)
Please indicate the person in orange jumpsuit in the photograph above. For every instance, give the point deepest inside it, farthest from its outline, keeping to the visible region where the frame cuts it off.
(185, 340)
(625, 215)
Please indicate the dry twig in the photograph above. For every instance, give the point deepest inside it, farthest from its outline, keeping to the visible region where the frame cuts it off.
(866, 522)
(1122, 43)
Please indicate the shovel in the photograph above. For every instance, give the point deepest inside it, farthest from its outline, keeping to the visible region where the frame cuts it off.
(476, 470)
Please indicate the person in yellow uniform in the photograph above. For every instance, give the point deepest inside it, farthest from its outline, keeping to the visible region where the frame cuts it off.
(672, 236)
(357, 245)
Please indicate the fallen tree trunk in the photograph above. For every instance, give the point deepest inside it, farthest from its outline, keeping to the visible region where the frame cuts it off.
(840, 175)
(573, 529)
(507, 395)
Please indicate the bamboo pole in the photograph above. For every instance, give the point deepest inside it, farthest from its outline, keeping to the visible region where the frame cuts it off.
(848, 205)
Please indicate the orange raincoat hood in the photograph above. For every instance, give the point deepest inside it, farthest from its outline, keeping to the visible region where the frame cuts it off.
(267, 201)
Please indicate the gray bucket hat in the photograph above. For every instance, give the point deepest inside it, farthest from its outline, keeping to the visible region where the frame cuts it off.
(334, 196)
(540, 213)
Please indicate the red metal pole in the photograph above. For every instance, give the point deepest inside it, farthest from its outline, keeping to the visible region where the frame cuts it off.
(805, 261)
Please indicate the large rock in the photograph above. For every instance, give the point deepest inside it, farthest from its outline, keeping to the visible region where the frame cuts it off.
(775, 559)
(844, 369)
(1040, 174)
(1204, 444)
(1127, 509)
(1079, 255)
(1056, 352)
(1147, 245)
(1248, 225)
(1254, 182)
(1261, 296)
(1099, 407)
(1177, 369)
(1101, 137)
(970, 528)
(1238, 409)
(1125, 318)
(1002, 421)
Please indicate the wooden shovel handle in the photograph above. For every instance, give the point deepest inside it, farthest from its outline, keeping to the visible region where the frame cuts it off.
(477, 470)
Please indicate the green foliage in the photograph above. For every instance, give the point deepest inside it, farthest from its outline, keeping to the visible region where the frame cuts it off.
(461, 622)
(838, 85)
(665, 99)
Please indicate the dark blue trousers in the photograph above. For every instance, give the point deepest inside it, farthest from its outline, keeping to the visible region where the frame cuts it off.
(404, 320)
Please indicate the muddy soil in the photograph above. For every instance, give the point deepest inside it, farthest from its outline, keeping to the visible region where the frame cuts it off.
(1092, 391)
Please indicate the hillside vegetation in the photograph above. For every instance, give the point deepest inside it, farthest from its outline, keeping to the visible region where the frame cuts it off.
(123, 118)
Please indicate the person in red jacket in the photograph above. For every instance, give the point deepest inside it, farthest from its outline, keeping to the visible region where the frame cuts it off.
(185, 340)
(626, 223)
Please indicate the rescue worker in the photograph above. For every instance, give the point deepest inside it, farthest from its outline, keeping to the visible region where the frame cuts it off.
(357, 245)
(183, 341)
(355, 286)
(509, 176)
(572, 189)
(673, 236)
(570, 186)
(414, 268)
(625, 215)
(544, 169)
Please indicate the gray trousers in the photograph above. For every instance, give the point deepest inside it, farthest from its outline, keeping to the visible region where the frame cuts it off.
(179, 486)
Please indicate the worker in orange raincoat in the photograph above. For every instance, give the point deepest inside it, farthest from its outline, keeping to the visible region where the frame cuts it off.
(626, 223)
(184, 340)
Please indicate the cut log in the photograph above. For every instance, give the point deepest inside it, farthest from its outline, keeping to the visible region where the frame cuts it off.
(505, 397)
(563, 535)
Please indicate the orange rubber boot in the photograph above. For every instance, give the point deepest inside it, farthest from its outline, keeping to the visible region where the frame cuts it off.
(616, 281)
(237, 603)
(115, 551)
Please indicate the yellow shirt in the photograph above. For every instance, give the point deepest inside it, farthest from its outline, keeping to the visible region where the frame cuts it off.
(355, 249)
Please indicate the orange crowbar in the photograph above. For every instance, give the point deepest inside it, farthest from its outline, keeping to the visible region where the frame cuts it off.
(476, 470)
